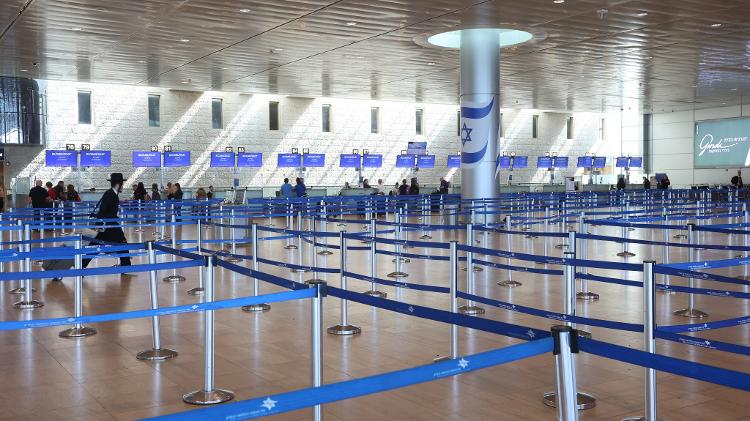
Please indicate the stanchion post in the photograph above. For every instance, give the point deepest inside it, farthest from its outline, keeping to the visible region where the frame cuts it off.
(454, 299)
(28, 302)
(565, 339)
(691, 311)
(470, 309)
(373, 263)
(299, 245)
(156, 353)
(509, 283)
(584, 294)
(78, 330)
(344, 328)
(199, 290)
(290, 225)
(398, 259)
(174, 277)
(316, 329)
(256, 287)
(209, 395)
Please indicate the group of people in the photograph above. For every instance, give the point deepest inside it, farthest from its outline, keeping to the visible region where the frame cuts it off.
(41, 197)
(402, 189)
(299, 189)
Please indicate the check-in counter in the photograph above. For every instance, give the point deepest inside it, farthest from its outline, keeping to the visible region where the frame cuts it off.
(596, 187)
(514, 189)
(553, 188)
(357, 191)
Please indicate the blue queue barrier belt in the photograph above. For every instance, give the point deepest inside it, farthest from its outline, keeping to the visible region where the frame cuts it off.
(703, 343)
(706, 373)
(398, 284)
(177, 252)
(115, 270)
(608, 280)
(709, 264)
(295, 266)
(517, 268)
(685, 273)
(164, 311)
(261, 276)
(411, 255)
(41, 240)
(630, 327)
(492, 326)
(415, 244)
(704, 291)
(303, 398)
(698, 327)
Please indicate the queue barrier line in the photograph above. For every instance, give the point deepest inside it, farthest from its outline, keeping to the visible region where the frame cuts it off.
(398, 284)
(698, 371)
(699, 327)
(294, 266)
(703, 343)
(261, 276)
(709, 264)
(163, 311)
(348, 389)
(114, 270)
(685, 273)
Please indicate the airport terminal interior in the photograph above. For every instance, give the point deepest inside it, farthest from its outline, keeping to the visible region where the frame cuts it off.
(375, 210)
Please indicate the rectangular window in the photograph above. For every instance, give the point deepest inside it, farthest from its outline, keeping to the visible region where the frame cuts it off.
(569, 128)
(326, 118)
(84, 107)
(374, 120)
(502, 130)
(535, 127)
(458, 123)
(154, 114)
(216, 114)
(273, 115)
(602, 126)
(419, 114)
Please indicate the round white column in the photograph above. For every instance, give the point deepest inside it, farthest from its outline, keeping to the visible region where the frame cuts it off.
(480, 112)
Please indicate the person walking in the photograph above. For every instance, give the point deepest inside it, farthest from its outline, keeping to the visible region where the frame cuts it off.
(107, 209)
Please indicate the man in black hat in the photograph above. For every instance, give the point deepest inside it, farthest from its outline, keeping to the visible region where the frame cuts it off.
(107, 208)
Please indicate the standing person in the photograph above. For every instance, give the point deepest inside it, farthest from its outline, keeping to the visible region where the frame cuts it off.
(286, 189)
(51, 191)
(108, 208)
(621, 183)
(414, 187)
(155, 195)
(366, 184)
(737, 180)
(665, 183)
(444, 185)
(403, 189)
(396, 190)
(140, 192)
(39, 199)
(646, 183)
(170, 191)
(60, 190)
(300, 190)
(381, 186)
(71, 194)
(210, 193)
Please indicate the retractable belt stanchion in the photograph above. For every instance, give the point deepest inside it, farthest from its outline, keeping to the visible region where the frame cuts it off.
(19, 263)
(156, 353)
(373, 264)
(233, 239)
(691, 311)
(324, 228)
(28, 302)
(584, 294)
(313, 255)
(453, 303)
(398, 259)
(624, 234)
(174, 277)
(566, 343)
(78, 330)
(509, 283)
(665, 254)
(583, 400)
(470, 309)
(561, 223)
(42, 229)
(138, 217)
(209, 394)
(316, 329)
(299, 245)
(290, 225)
(254, 247)
(199, 289)
(426, 218)
(470, 243)
(649, 344)
(746, 240)
(344, 328)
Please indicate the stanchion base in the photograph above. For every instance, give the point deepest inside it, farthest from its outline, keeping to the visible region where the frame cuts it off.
(156, 354)
(341, 224)
(254, 308)
(625, 254)
(173, 279)
(530, 236)
(679, 236)
(561, 246)
(631, 229)
(290, 247)
(666, 291)
(27, 305)
(584, 400)
(77, 332)
(299, 270)
(138, 230)
(232, 259)
(376, 293)
(196, 291)
(398, 275)
(474, 269)
(471, 310)
(325, 253)
(691, 313)
(208, 397)
(344, 330)
(426, 237)
(440, 359)
(509, 284)
(20, 291)
(641, 418)
(403, 260)
(587, 296)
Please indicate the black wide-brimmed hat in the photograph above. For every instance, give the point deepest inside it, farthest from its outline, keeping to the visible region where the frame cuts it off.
(116, 177)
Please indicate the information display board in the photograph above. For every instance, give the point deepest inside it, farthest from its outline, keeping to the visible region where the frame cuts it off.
(222, 159)
(289, 160)
(405, 161)
(416, 148)
(503, 162)
(425, 161)
(96, 158)
(544, 162)
(314, 160)
(249, 159)
(373, 160)
(722, 143)
(521, 161)
(621, 162)
(636, 162)
(60, 158)
(600, 161)
(585, 162)
(454, 161)
(561, 162)
(349, 160)
(177, 159)
(146, 159)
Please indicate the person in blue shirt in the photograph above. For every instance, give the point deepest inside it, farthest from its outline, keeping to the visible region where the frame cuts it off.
(300, 189)
(286, 189)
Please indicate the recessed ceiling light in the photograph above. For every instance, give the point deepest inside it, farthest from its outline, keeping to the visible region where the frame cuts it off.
(24, 70)
(558, 1)
(641, 14)
(244, 10)
(276, 50)
(76, 28)
(723, 103)
(733, 89)
(715, 25)
(184, 81)
(432, 63)
(184, 40)
(225, 68)
(351, 23)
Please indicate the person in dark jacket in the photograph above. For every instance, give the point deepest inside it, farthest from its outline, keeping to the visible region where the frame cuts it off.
(155, 195)
(444, 185)
(646, 183)
(403, 189)
(414, 187)
(621, 183)
(108, 208)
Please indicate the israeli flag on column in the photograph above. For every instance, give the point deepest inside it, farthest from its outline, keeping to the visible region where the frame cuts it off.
(476, 132)
(497, 166)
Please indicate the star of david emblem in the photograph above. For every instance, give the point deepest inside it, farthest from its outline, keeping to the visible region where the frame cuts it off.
(467, 136)
(269, 403)
(463, 363)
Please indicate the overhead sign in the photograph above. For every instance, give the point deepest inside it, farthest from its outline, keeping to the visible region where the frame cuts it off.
(405, 161)
(600, 161)
(349, 160)
(222, 159)
(585, 162)
(722, 143)
(454, 161)
(177, 159)
(249, 159)
(426, 161)
(544, 162)
(289, 160)
(91, 158)
(60, 158)
(503, 162)
(561, 162)
(636, 162)
(373, 160)
(416, 148)
(314, 160)
(146, 159)
(621, 162)
(521, 162)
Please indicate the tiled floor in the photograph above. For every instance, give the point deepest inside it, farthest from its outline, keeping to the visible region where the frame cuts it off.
(99, 378)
